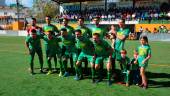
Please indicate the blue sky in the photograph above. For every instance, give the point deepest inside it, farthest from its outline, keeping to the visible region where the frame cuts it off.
(27, 3)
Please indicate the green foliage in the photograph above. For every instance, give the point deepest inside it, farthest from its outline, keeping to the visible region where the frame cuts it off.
(41, 8)
(15, 79)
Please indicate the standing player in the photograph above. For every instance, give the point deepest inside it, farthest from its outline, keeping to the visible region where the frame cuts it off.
(68, 50)
(121, 36)
(34, 46)
(103, 51)
(144, 52)
(50, 27)
(52, 47)
(87, 51)
(85, 31)
(98, 28)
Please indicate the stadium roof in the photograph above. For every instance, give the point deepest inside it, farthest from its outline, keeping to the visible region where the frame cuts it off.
(70, 1)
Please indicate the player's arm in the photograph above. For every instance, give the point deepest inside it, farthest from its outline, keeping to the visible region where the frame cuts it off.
(148, 57)
(27, 44)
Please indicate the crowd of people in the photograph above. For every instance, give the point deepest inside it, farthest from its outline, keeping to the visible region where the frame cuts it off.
(141, 13)
(91, 47)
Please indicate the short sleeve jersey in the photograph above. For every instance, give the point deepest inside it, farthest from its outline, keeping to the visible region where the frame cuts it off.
(119, 44)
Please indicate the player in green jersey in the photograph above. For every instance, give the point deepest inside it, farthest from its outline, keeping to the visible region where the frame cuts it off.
(121, 35)
(68, 49)
(51, 47)
(98, 28)
(144, 52)
(70, 31)
(34, 46)
(103, 51)
(50, 27)
(86, 51)
(86, 32)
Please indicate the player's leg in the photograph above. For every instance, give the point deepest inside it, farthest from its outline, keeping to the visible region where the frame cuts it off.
(64, 62)
(109, 71)
(98, 69)
(49, 65)
(40, 56)
(144, 79)
(55, 62)
(32, 54)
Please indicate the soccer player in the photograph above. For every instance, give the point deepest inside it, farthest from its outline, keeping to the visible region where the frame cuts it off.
(51, 47)
(98, 28)
(54, 31)
(144, 54)
(65, 25)
(125, 64)
(70, 31)
(68, 50)
(50, 27)
(85, 32)
(34, 26)
(34, 46)
(87, 51)
(103, 51)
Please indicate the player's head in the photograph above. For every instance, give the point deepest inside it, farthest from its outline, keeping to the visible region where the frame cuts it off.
(33, 21)
(65, 21)
(48, 19)
(122, 23)
(33, 33)
(78, 33)
(96, 37)
(123, 53)
(135, 53)
(63, 32)
(80, 21)
(144, 40)
(96, 20)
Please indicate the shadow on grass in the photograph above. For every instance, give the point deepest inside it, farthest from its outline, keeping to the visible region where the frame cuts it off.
(158, 83)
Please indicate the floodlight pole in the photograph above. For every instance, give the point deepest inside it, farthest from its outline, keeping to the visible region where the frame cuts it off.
(17, 3)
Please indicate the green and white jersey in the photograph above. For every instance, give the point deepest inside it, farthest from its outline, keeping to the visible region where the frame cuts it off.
(85, 44)
(70, 30)
(86, 32)
(50, 27)
(143, 52)
(119, 44)
(34, 44)
(102, 49)
(100, 30)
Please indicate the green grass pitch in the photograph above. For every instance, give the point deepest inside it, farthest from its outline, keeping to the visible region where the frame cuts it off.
(15, 79)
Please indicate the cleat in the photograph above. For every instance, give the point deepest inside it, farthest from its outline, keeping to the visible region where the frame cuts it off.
(109, 83)
(60, 74)
(49, 72)
(93, 80)
(66, 74)
(99, 80)
(76, 77)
